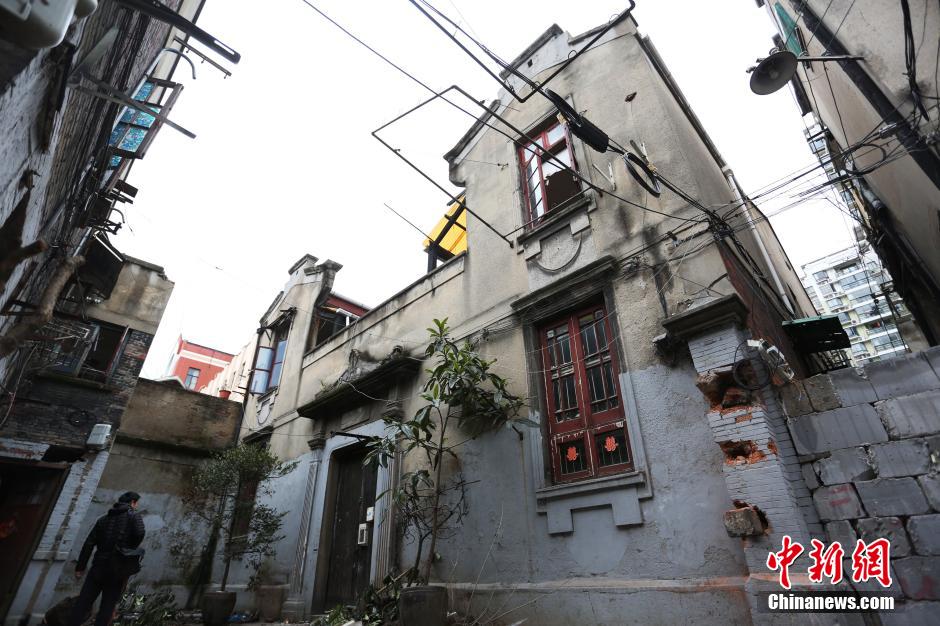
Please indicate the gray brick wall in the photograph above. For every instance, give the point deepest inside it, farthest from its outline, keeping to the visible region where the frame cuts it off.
(870, 454)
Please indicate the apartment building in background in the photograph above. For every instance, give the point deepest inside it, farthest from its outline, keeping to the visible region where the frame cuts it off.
(852, 284)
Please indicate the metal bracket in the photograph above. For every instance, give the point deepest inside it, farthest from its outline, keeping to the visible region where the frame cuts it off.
(111, 94)
(160, 11)
(609, 176)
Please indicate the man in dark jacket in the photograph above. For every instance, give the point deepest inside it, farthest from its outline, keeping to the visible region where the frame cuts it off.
(122, 527)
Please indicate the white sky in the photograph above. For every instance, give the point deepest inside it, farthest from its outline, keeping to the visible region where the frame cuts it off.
(284, 163)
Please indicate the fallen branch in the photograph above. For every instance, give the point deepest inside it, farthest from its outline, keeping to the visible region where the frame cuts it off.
(499, 526)
(27, 327)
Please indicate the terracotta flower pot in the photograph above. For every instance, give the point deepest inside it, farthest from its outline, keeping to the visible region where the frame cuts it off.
(217, 606)
(423, 606)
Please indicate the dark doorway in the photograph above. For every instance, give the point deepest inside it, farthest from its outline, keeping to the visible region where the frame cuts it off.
(28, 491)
(349, 559)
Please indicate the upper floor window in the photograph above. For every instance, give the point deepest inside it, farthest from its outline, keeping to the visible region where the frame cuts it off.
(330, 321)
(546, 182)
(587, 432)
(87, 350)
(192, 378)
(270, 360)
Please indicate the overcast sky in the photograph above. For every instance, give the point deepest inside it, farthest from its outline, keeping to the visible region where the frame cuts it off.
(284, 163)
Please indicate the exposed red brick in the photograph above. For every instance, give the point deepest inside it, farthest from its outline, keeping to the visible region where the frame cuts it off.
(772, 446)
(741, 452)
(744, 417)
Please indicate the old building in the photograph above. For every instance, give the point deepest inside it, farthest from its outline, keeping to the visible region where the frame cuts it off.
(68, 393)
(645, 288)
(879, 114)
(78, 106)
(195, 365)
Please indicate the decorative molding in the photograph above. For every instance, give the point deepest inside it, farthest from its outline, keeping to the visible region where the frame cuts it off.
(559, 218)
(567, 291)
(362, 378)
(619, 492)
(723, 310)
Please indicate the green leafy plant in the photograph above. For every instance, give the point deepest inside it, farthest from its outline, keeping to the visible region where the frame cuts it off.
(463, 395)
(223, 494)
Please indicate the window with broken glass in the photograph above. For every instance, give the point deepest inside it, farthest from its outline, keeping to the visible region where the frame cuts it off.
(547, 184)
(587, 432)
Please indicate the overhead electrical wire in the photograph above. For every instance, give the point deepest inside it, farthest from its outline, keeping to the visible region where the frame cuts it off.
(410, 76)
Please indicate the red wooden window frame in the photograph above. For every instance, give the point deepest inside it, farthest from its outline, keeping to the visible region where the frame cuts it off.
(526, 155)
(587, 432)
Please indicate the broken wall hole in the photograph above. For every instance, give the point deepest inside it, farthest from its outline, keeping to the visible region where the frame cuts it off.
(772, 446)
(741, 452)
(721, 390)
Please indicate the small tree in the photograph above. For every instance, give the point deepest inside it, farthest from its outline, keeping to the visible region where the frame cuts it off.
(461, 391)
(223, 494)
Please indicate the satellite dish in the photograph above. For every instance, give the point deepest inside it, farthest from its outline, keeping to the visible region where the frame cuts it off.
(773, 72)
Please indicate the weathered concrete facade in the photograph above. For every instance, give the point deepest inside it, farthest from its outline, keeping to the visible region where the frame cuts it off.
(649, 542)
(166, 431)
(857, 100)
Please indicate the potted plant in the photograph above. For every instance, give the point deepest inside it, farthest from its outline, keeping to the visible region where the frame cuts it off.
(461, 394)
(223, 494)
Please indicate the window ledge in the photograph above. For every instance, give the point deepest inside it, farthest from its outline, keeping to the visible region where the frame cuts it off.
(622, 493)
(559, 216)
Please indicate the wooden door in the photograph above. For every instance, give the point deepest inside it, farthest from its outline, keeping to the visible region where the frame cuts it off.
(350, 562)
(28, 491)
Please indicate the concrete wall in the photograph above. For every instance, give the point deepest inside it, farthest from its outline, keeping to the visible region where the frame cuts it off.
(868, 441)
(138, 299)
(166, 432)
(164, 413)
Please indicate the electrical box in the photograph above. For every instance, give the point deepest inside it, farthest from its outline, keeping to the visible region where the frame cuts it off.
(98, 439)
(362, 537)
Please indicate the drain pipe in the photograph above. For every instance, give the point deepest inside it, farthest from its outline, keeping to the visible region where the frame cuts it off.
(739, 196)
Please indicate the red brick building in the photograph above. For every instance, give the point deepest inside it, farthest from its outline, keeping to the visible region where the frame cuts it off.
(196, 365)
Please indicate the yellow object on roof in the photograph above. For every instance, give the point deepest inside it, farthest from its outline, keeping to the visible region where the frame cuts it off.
(454, 230)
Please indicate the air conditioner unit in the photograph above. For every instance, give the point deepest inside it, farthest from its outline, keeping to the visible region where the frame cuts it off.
(37, 24)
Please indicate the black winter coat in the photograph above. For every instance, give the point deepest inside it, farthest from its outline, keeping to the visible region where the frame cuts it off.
(121, 526)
